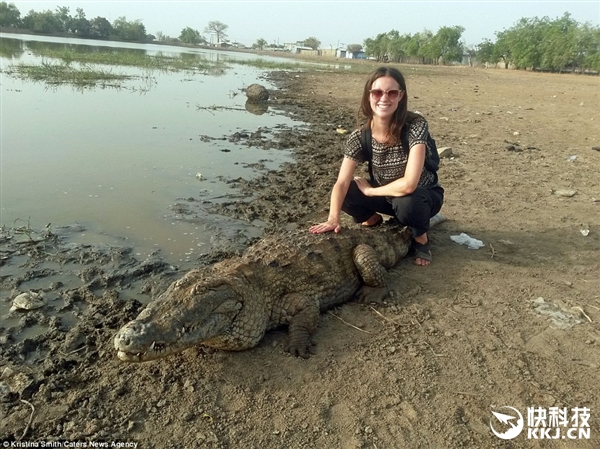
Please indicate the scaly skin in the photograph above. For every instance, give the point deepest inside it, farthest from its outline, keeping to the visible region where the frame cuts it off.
(282, 280)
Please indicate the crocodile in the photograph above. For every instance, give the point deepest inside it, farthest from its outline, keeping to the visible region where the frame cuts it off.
(284, 279)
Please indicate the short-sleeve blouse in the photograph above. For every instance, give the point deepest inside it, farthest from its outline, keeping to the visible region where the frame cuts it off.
(389, 161)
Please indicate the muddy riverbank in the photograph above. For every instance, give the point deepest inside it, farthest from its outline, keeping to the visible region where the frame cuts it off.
(455, 342)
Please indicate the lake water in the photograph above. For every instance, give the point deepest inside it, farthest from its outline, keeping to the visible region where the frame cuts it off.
(117, 160)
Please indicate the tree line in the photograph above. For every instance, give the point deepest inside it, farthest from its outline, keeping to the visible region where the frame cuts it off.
(61, 21)
(561, 44)
(558, 45)
(426, 47)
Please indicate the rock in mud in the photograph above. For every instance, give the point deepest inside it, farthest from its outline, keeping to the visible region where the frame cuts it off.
(565, 193)
(28, 301)
(13, 382)
(257, 93)
(445, 152)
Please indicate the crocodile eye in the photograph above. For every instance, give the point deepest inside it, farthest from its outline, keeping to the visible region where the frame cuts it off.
(198, 289)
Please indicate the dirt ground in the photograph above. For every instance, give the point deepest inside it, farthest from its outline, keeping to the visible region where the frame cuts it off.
(460, 339)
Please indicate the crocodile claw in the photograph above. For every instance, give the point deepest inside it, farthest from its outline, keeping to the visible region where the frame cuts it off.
(299, 349)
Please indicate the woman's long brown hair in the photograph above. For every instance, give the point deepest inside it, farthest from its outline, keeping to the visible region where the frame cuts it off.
(402, 114)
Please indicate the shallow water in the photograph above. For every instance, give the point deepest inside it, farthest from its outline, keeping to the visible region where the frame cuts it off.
(117, 160)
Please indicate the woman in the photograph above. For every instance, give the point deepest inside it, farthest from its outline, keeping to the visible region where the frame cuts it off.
(403, 187)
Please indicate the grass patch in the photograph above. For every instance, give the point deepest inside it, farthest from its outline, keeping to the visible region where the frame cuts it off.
(62, 73)
(85, 67)
(139, 59)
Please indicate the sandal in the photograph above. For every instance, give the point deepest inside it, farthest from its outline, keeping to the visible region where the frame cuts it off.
(422, 251)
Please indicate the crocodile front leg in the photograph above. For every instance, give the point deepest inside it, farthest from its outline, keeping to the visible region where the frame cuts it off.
(303, 319)
(374, 275)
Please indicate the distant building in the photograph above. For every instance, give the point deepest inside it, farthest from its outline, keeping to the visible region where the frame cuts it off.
(356, 55)
(304, 50)
(328, 52)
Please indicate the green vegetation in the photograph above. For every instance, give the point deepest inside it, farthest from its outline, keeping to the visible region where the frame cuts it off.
(425, 47)
(62, 73)
(554, 45)
(190, 36)
(540, 44)
(139, 58)
(260, 44)
(71, 65)
(60, 21)
(82, 66)
(312, 42)
(561, 44)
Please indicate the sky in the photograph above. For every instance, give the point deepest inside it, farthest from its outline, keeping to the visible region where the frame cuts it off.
(335, 23)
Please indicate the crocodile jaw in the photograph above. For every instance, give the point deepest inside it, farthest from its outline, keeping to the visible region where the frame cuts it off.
(169, 325)
(142, 342)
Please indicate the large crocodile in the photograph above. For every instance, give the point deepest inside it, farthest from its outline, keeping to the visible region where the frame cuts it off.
(285, 279)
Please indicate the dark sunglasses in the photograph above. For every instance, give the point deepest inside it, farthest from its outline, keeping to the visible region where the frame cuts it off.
(392, 94)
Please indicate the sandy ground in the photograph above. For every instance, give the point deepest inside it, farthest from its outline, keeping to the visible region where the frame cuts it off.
(458, 340)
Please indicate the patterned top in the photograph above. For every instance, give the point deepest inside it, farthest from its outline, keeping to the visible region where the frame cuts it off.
(389, 161)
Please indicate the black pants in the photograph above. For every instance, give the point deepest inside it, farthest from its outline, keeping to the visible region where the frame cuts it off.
(412, 210)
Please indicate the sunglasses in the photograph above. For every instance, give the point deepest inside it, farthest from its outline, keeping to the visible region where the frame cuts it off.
(392, 94)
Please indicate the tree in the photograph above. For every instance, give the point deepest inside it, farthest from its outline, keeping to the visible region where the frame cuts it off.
(588, 48)
(412, 45)
(80, 25)
(470, 52)
(260, 44)
(421, 44)
(485, 52)
(447, 45)
(100, 28)
(9, 15)
(218, 29)
(63, 19)
(190, 36)
(558, 50)
(312, 42)
(395, 46)
(524, 40)
(129, 31)
(377, 47)
(42, 22)
(501, 50)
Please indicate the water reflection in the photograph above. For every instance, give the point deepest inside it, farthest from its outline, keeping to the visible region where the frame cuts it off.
(116, 161)
(85, 66)
(255, 108)
(11, 48)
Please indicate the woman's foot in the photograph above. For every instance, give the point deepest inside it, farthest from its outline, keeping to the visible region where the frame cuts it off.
(422, 250)
(374, 220)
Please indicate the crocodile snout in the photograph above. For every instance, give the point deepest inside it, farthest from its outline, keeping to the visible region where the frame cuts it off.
(123, 338)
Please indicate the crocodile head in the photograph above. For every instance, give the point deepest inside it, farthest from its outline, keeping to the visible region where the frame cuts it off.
(186, 314)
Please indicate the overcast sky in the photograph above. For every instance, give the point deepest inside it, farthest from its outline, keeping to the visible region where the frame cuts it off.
(332, 22)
